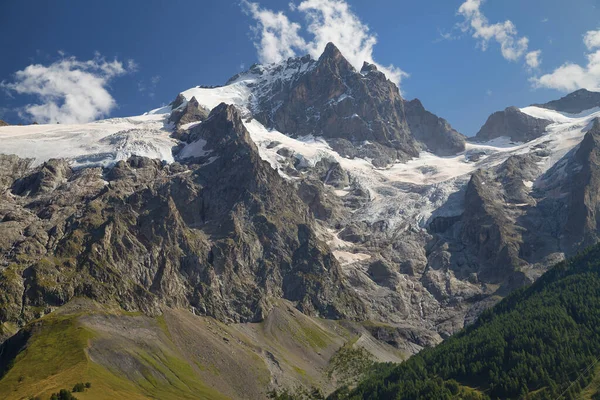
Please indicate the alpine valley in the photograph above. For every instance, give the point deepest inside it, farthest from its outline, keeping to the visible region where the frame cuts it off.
(286, 232)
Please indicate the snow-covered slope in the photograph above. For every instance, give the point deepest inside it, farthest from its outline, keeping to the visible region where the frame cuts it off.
(237, 94)
(564, 134)
(100, 143)
(393, 190)
(244, 90)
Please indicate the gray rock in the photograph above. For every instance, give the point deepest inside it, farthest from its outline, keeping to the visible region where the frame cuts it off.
(333, 174)
(512, 123)
(11, 168)
(435, 133)
(48, 177)
(191, 112)
(575, 102)
(582, 222)
(383, 274)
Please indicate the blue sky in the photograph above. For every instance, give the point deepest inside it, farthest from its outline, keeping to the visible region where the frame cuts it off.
(164, 47)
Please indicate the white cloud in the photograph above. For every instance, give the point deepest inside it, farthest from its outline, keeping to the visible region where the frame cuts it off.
(69, 90)
(504, 33)
(592, 39)
(533, 60)
(279, 36)
(571, 76)
(327, 21)
(334, 21)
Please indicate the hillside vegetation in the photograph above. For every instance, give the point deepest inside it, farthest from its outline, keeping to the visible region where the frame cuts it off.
(542, 342)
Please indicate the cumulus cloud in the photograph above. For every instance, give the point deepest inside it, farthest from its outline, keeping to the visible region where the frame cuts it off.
(571, 76)
(334, 21)
(68, 90)
(532, 59)
(278, 38)
(592, 39)
(504, 33)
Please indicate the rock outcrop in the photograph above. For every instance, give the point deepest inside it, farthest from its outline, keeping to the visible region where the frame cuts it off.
(512, 123)
(575, 102)
(582, 224)
(186, 114)
(434, 132)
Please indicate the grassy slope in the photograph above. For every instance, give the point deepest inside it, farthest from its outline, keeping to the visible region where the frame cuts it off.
(56, 358)
(310, 347)
(179, 355)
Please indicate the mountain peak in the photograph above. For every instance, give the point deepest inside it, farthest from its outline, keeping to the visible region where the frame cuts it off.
(580, 91)
(513, 123)
(193, 111)
(331, 50)
(333, 56)
(367, 67)
(224, 109)
(575, 102)
(226, 119)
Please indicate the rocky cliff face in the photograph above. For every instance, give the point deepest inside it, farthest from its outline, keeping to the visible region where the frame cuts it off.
(511, 228)
(512, 123)
(3, 123)
(581, 190)
(488, 230)
(224, 235)
(433, 132)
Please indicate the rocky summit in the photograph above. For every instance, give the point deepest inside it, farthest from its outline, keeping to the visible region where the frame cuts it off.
(304, 214)
(575, 103)
(512, 123)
